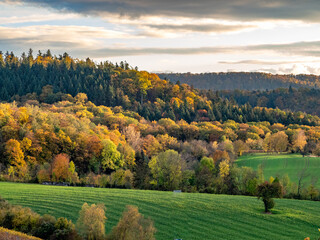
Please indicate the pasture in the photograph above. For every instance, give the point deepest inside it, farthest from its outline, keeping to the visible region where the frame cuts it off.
(178, 215)
(280, 164)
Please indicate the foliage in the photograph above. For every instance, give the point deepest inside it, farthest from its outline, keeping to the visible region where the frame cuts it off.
(133, 225)
(166, 170)
(110, 155)
(60, 167)
(91, 221)
(26, 221)
(6, 234)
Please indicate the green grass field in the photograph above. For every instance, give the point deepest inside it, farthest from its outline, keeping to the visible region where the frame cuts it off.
(280, 164)
(185, 215)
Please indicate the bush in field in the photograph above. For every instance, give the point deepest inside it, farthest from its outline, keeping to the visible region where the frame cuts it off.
(133, 225)
(91, 221)
(266, 191)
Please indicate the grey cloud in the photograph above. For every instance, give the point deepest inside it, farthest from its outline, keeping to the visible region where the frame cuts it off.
(311, 49)
(246, 10)
(206, 28)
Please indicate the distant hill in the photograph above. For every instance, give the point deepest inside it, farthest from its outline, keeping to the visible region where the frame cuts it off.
(243, 80)
(302, 99)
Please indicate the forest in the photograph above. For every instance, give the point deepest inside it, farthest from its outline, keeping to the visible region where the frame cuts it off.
(243, 80)
(111, 125)
(48, 79)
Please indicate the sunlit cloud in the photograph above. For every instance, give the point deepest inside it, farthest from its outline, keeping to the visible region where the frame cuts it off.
(37, 18)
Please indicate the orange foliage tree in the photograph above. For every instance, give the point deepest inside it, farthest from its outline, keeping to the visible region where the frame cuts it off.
(60, 167)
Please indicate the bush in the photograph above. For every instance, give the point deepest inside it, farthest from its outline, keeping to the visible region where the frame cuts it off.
(26, 221)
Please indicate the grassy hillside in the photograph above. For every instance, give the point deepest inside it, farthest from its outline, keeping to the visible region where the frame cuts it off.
(186, 216)
(280, 164)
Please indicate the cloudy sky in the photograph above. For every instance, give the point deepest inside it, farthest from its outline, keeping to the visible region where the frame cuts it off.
(171, 35)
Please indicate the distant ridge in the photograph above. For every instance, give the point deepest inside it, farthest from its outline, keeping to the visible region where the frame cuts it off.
(243, 80)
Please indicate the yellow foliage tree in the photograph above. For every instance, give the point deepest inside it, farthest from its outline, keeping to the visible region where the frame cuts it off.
(133, 225)
(91, 221)
(16, 157)
(299, 140)
(224, 168)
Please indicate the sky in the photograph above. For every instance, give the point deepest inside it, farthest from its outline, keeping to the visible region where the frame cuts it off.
(171, 35)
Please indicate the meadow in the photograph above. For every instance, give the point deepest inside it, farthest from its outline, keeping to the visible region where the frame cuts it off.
(177, 215)
(280, 164)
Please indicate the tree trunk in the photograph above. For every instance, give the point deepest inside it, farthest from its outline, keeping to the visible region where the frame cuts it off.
(265, 205)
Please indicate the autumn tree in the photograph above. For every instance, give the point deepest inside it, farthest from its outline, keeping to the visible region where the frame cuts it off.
(224, 168)
(240, 147)
(81, 98)
(133, 137)
(16, 157)
(133, 225)
(143, 83)
(91, 221)
(166, 169)
(127, 155)
(44, 173)
(60, 167)
(266, 191)
(299, 140)
(279, 142)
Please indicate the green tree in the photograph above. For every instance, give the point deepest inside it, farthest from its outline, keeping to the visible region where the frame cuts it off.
(166, 170)
(111, 157)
